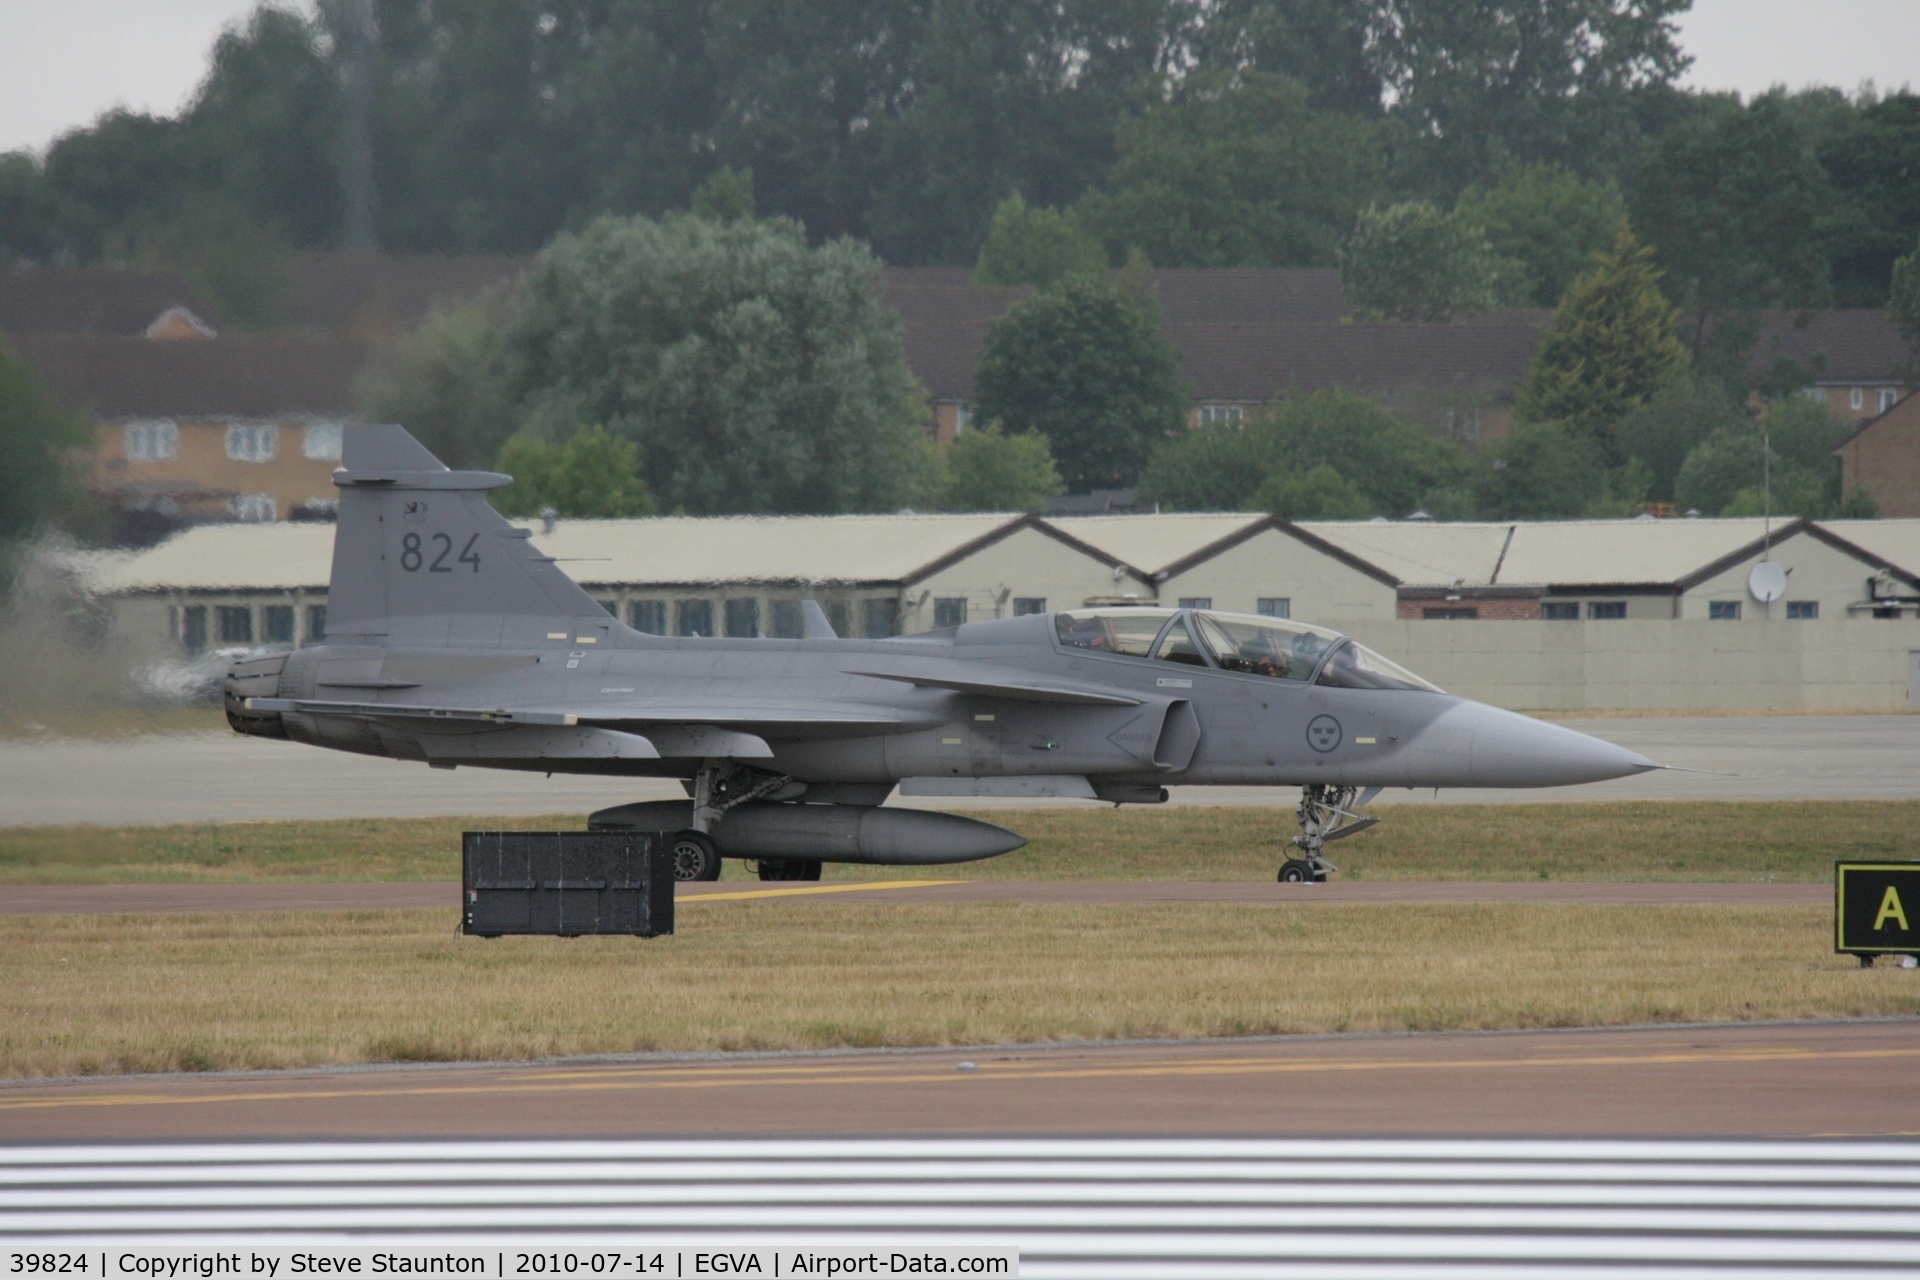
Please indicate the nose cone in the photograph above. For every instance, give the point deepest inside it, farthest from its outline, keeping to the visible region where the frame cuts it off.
(1504, 749)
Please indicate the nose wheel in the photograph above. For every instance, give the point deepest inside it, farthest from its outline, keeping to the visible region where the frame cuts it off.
(1325, 813)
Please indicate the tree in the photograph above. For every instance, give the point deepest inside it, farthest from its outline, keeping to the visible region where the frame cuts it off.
(726, 196)
(1611, 346)
(591, 475)
(243, 267)
(1478, 84)
(1084, 364)
(1873, 162)
(1412, 262)
(1320, 493)
(29, 217)
(988, 470)
(1031, 245)
(1234, 170)
(1903, 299)
(1732, 203)
(1391, 466)
(1665, 428)
(1547, 222)
(38, 486)
(448, 383)
(1725, 474)
(753, 372)
(1543, 471)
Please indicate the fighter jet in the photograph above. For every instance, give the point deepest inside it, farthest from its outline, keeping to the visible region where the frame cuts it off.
(452, 640)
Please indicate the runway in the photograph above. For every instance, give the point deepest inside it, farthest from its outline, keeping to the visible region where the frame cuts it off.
(1197, 1209)
(1769, 1080)
(225, 778)
(103, 899)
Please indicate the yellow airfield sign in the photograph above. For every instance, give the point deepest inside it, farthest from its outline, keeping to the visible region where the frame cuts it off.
(1876, 908)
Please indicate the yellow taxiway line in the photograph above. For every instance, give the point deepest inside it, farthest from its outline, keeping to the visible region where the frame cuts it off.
(815, 888)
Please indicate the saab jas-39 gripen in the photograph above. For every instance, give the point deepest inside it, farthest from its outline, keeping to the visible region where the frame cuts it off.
(452, 640)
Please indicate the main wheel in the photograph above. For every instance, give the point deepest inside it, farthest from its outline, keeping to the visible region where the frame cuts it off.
(695, 857)
(1296, 871)
(788, 869)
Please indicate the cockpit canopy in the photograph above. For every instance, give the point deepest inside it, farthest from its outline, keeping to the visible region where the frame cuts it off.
(1276, 648)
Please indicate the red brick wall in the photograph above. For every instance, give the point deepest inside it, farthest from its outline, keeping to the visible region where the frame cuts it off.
(1884, 459)
(1490, 608)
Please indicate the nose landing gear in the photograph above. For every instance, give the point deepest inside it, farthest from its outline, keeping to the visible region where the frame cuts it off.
(1325, 813)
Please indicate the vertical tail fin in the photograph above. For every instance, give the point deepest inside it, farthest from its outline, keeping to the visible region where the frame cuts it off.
(420, 553)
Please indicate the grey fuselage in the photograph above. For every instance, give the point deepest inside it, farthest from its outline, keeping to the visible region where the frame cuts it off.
(992, 700)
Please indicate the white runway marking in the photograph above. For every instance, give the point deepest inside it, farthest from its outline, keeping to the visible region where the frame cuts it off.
(1197, 1209)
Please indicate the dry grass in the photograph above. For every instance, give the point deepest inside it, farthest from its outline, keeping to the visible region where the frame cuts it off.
(1673, 840)
(156, 993)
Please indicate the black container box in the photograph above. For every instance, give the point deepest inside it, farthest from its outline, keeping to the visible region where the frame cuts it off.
(566, 883)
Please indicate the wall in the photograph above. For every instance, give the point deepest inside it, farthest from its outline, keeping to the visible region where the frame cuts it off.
(1884, 459)
(1816, 573)
(202, 479)
(1271, 563)
(1659, 665)
(1027, 563)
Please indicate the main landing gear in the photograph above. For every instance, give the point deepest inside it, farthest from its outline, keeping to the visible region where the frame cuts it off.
(1325, 813)
(719, 786)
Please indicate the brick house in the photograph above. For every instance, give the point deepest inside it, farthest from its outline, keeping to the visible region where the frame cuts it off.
(1883, 457)
(1855, 361)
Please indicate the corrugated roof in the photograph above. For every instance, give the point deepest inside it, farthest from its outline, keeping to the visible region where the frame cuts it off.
(1624, 552)
(1895, 541)
(761, 548)
(1152, 542)
(1419, 551)
(266, 557)
(228, 376)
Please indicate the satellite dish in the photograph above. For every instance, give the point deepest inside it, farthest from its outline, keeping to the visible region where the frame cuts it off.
(1767, 582)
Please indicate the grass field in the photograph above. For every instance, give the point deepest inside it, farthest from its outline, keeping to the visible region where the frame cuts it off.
(1679, 840)
(92, 994)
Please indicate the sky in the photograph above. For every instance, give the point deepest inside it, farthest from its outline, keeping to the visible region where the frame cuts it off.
(63, 62)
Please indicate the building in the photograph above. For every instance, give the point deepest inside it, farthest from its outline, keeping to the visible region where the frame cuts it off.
(227, 428)
(106, 301)
(1883, 458)
(1855, 361)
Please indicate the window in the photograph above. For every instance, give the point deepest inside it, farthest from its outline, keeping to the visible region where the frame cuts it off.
(316, 623)
(1805, 610)
(693, 617)
(789, 622)
(1264, 646)
(611, 606)
(1024, 605)
(1723, 610)
(1127, 631)
(1355, 666)
(277, 621)
(252, 443)
(949, 611)
(1178, 646)
(649, 616)
(254, 508)
(1886, 398)
(235, 623)
(1274, 607)
(193, 628)
(151, 439)
(1560, 610)
(1599, 610)
(321, 440)
(1856, 398)
(962, 417)
(840, 617)
(1218, 415)
(1196, 602)
(880, 616)
(1451, 613)
(743, 619)
(1816, 394)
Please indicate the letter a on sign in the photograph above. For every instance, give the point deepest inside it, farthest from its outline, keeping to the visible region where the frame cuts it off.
(1890, 909)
